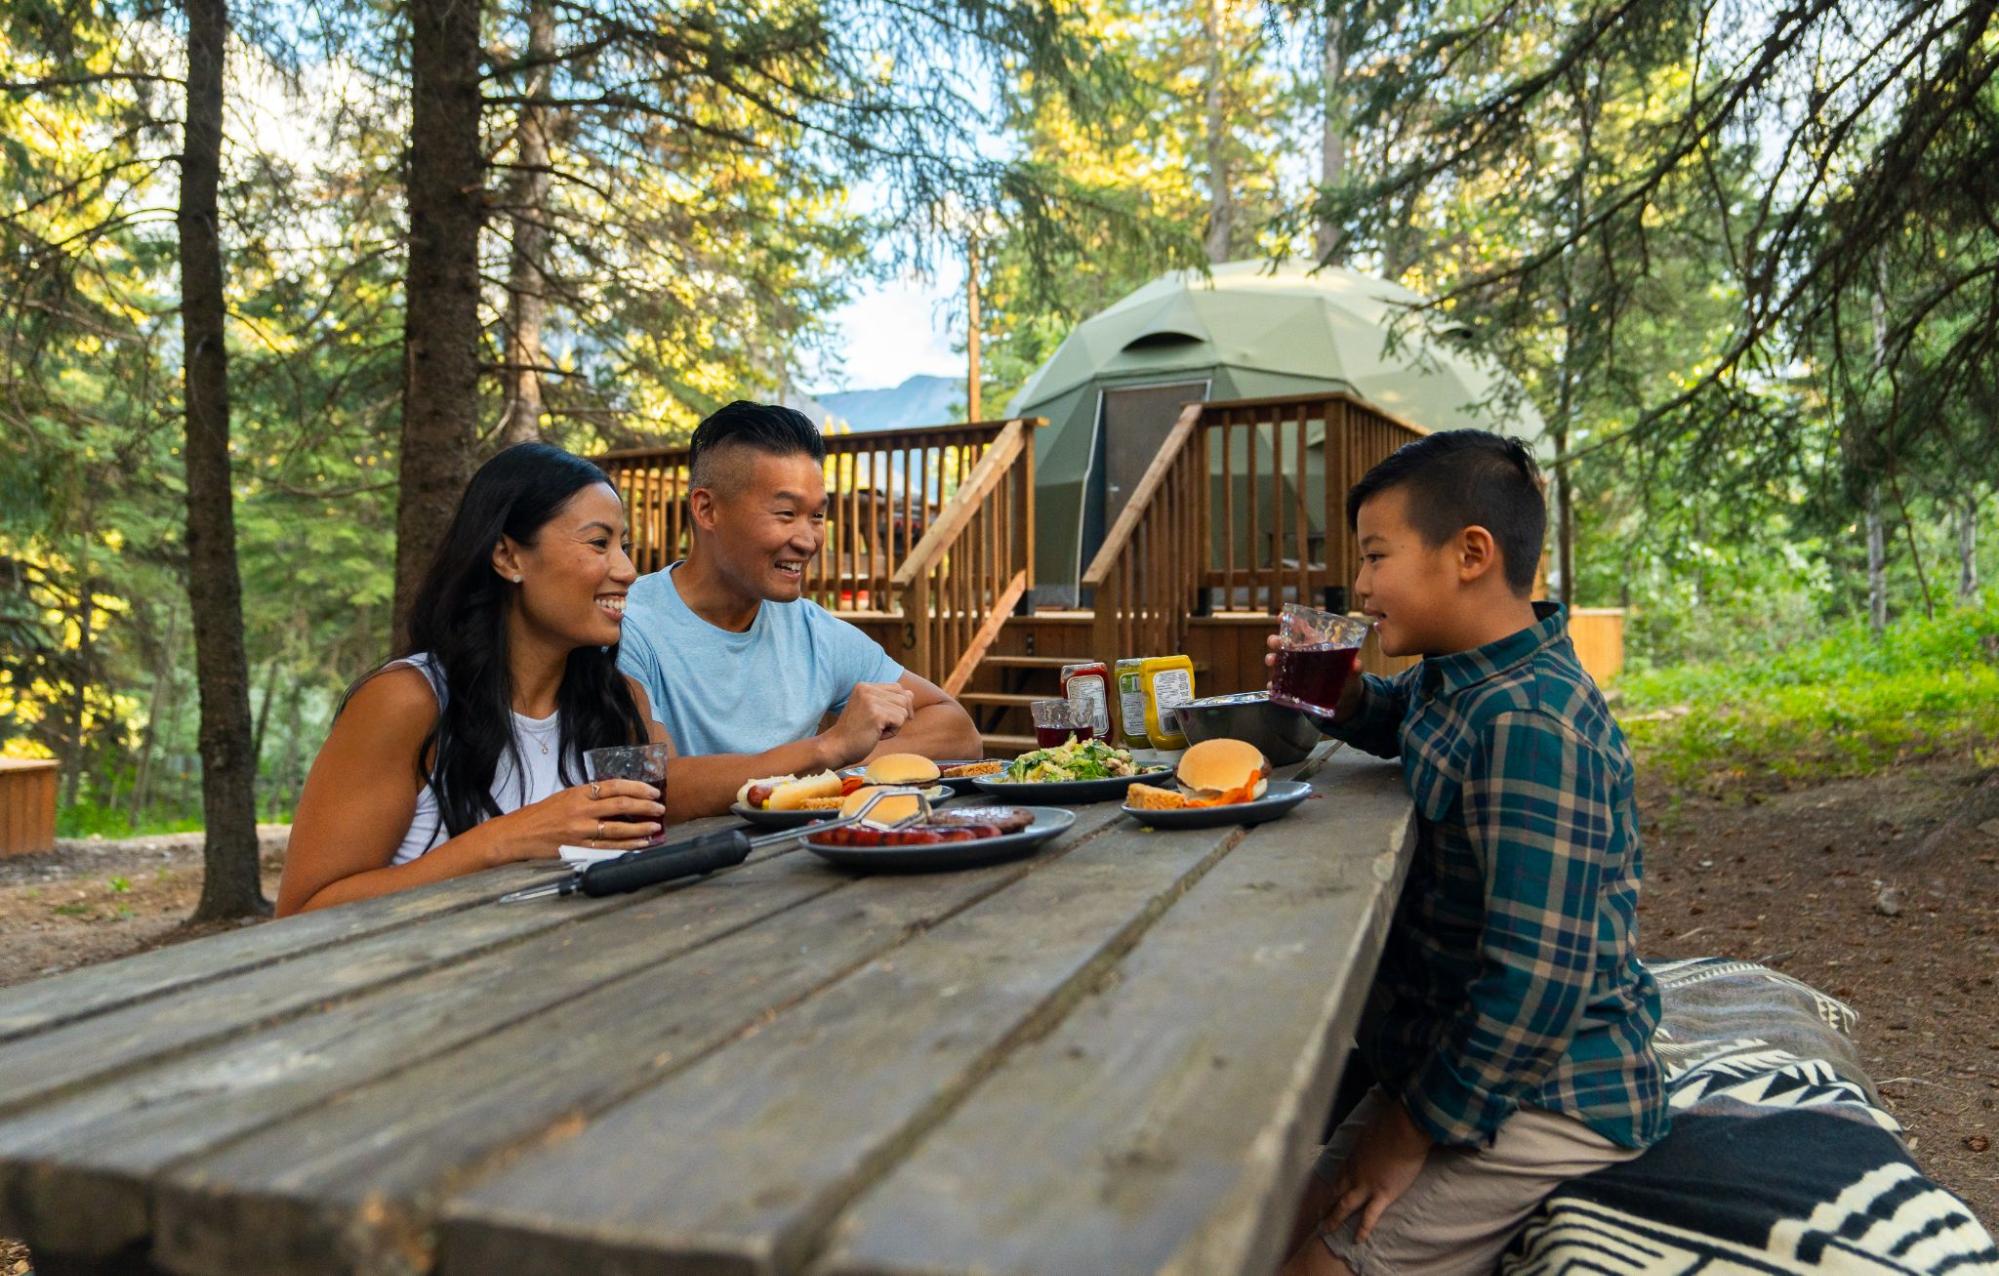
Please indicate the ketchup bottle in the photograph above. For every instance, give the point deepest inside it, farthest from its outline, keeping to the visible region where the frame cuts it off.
(1087, 685)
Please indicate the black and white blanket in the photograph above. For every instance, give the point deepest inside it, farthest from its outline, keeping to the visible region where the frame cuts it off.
(1781, 1158)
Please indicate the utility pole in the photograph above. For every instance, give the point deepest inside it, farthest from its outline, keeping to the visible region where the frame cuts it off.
(972, 406)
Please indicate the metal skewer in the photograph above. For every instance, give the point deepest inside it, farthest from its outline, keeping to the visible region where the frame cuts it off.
(696, 856)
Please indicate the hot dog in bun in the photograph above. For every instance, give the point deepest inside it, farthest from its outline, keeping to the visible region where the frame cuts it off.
(789, 792)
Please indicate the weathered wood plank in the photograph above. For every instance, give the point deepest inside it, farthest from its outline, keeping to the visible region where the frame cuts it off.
(69, 1055)
(349, 1186)
(76, 994)
(736, 1165)
(73, 1171)
(1164, 1124)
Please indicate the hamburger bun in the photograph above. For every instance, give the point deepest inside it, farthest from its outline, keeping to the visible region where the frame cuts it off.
(887, 811)
(794, 796)
(1213, 768)
(902, 768)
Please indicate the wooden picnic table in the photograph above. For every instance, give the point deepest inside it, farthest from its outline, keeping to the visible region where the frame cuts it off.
(1114, 1056)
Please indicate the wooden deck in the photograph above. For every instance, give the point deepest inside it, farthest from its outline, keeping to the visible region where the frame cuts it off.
(1113, 1056)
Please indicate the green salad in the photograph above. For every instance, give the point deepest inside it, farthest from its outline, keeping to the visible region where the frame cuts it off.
(1090, 760)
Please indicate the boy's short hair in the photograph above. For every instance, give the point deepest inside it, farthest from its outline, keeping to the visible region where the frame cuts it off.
(770, 428)
(1463, 478)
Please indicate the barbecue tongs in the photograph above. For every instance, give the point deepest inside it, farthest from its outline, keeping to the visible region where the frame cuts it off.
(724, 848)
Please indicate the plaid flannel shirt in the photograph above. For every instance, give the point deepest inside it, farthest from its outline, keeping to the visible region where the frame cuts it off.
(1511, 975)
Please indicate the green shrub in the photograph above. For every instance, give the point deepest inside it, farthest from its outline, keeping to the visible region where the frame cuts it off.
(1842, 704)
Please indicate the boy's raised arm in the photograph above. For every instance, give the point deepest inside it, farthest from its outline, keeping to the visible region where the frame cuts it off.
(1374, 723)
(1538, 807)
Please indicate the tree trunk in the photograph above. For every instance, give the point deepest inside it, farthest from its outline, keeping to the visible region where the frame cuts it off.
(80, 702)
(229, 886)
(1221, 199)
(1877, 563)
(445, 179)
(527, 281)
(1333, 130)
(1967, 549)
(158, 707)
(1565, 526)
(264, 712)
(291, 775)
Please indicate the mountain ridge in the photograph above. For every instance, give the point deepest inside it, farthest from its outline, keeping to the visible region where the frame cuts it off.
(922, 399)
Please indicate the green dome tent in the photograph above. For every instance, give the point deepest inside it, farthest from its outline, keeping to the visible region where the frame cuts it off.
(1114, 387)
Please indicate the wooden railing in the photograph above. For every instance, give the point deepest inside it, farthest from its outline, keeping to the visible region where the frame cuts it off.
(1243, 509)
(885, 490)
(974, 565)
(1280, 530)
(1146, 577)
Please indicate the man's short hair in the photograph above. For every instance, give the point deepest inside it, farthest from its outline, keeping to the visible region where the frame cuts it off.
(1464, 478)
(767, 427)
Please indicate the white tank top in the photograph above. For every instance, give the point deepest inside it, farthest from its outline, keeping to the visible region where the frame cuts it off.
(538, 740)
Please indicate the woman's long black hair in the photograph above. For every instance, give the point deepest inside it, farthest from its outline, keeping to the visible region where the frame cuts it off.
(459, 616)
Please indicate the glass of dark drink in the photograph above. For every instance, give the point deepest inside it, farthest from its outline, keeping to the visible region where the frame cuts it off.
(643, 762)
(1320, 650)
(1056, 722)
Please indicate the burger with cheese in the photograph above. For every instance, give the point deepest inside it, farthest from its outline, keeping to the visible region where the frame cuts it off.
(902, 768)
(1211, 773)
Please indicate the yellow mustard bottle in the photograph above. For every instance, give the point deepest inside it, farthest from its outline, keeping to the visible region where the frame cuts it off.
(1168, 683)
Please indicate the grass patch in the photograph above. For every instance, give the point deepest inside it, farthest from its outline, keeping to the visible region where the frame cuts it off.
(86, 818)
(1843, 704)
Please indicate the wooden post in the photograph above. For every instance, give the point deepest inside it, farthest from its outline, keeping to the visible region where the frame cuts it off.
(973, 411)
(27, 805)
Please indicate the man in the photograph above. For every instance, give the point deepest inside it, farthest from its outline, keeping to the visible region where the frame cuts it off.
(740, 668)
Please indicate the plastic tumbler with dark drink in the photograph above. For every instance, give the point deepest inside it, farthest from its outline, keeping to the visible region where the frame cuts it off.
(1056, 722)
(1320, 650)
(645, 763)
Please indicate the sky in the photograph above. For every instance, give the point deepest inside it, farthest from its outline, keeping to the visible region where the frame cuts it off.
(896, 330)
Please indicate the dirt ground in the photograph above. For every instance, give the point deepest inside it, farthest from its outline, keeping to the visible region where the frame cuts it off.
(91, 900)
(1883, 891)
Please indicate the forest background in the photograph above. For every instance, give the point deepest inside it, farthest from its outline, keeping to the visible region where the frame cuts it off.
(273, 280)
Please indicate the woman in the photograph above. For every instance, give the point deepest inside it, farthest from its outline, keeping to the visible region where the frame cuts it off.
(466, 752)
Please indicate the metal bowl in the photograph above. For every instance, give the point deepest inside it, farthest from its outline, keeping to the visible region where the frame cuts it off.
(1284, 735)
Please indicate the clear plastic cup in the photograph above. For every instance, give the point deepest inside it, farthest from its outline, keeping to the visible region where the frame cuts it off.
(1056, 722)
(1319, 651)
(645, 763)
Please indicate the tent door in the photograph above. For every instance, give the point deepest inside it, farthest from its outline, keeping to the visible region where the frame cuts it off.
(1132, 421)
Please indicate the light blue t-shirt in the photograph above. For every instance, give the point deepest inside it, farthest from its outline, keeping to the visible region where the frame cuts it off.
(722, 692)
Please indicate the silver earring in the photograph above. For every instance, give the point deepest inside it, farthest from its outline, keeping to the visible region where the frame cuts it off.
(517, 580)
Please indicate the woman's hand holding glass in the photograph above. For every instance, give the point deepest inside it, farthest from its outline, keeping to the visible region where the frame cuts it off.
(605, 815)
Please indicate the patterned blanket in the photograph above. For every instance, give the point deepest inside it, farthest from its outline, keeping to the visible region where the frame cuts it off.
(1781, 1158)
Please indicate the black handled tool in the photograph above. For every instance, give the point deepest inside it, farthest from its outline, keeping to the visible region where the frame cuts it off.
(724, 848)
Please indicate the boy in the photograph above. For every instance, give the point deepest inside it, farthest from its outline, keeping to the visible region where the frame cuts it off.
(1510, 1024)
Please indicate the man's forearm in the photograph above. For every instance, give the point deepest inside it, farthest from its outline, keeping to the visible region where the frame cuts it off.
(941, 731)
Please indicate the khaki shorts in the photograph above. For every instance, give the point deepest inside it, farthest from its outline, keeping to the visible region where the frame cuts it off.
(1466, 1203)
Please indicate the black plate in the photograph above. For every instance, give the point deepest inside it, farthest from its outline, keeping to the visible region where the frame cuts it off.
(1048, 821)
(1064, 791)
(1279, 798)
(780, 819)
